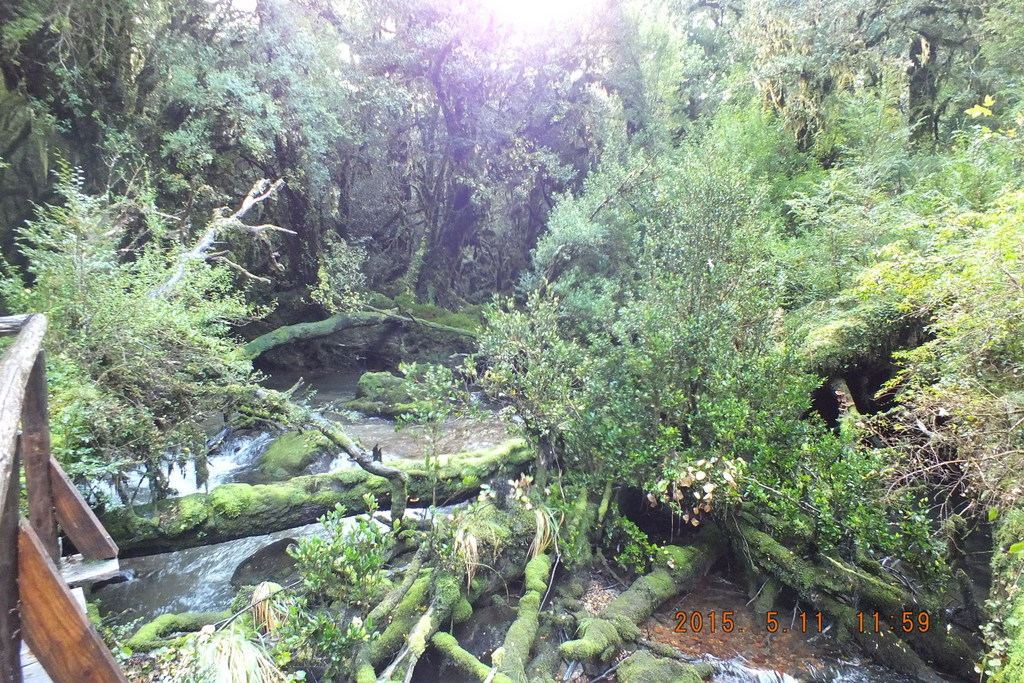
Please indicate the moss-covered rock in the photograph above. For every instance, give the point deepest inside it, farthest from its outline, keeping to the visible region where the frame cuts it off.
(289, 454)
(237, 510)
(382, 394)
(384, 387)
(644, 667)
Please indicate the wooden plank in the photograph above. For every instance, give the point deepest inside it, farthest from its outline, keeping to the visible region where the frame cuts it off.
(12, 324)
(14, 372)
(31, 670)
(35, 445)
(80, 572)
(54, 627)
(10, 626)
(77, 520)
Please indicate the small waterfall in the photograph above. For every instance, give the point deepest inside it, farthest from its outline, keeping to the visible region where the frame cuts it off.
(237, 454)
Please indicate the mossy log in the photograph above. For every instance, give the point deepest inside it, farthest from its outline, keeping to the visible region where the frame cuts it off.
(337, 323)
(841, 590)
(602, 637)
(447, 645)
(155, 634)
(514, 654)
(427, 599)
(237, 510)
(445, 595)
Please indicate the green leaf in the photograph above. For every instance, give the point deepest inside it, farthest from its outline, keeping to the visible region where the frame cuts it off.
(1016, 548)
(993, 513)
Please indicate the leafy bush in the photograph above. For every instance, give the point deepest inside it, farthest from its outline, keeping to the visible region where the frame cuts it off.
(345, 561)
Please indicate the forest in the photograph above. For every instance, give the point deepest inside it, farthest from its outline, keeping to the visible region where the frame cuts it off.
(650, 341)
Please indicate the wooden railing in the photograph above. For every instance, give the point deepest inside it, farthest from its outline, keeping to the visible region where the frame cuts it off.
(35, 603)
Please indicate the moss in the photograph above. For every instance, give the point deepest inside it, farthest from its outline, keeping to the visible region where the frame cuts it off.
(237, 510)
(153, 635)
(366, 674)
(834, 576)
(446, 594)
(644, 667)
(92, 611)
(447, 645)
(511, 658)
(290, 453)
(231, 500)
(602, 636)
(468, 318)
(191, 513)
(371, 408)
(847, 331)
(598, 639)
(402, 620)
(682, 565)
(462, 611)
(1008, 591)
(383, 387)
(538, 571)
(765, 599)
(547, 659)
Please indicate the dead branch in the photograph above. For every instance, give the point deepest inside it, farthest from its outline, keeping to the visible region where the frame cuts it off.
(261, 191)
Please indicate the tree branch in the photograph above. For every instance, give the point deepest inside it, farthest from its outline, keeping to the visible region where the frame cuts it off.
(261, 191)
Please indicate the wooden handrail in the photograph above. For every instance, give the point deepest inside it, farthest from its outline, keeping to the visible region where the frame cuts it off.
(14, 372)
(35, 603)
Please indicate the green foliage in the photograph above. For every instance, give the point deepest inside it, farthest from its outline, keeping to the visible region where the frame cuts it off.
(319, 639)
(340, 282)
(633, 550)
(132, 375)
(344, 563)
(674, 370)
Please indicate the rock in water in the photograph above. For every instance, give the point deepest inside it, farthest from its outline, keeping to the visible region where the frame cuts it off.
(270, 563)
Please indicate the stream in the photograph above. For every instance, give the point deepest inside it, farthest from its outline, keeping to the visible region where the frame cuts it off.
(199, 579)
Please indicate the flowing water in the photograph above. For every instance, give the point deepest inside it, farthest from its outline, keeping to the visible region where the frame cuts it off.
(191, 580)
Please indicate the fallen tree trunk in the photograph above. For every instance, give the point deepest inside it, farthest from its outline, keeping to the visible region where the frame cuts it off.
(398, 478)
(234, 511)
(338, 323)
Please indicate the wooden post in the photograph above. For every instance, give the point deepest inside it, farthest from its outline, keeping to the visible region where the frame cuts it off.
(77, 519)
(10, 624)
(35, 435)
(54, 625)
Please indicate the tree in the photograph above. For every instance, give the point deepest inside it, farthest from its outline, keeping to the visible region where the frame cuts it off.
(136, 367)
